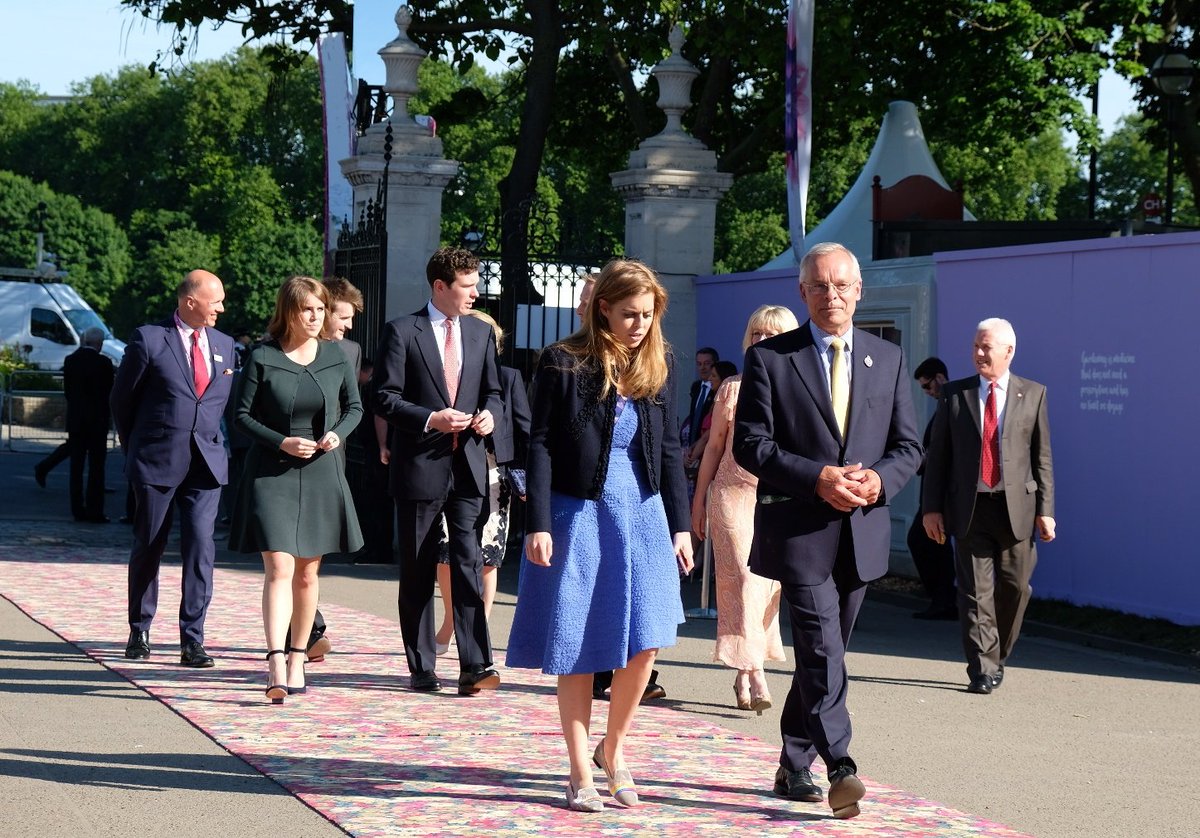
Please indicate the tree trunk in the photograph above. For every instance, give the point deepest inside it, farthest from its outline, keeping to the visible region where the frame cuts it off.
(519, 186)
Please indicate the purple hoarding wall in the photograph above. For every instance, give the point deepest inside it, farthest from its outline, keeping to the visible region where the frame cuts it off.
(725, 302)
(1109, 327)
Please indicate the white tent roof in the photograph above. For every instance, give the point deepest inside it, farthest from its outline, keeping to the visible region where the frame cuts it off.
(899, 151)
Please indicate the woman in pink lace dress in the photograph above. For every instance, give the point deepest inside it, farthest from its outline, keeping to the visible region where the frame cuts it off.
(747, 605)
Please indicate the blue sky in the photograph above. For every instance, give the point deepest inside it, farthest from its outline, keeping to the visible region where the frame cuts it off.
(54, 43)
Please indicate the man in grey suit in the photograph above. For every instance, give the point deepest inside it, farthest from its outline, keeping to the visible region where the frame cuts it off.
(989, 480)
(825, 421)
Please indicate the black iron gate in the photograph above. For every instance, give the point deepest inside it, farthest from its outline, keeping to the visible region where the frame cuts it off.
(540, 308)
(361, 258)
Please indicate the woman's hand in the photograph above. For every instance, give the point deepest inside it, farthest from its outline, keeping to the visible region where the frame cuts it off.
(329, 442)
(699, 515)
(683, 551)
(298, 447)
(538, 548)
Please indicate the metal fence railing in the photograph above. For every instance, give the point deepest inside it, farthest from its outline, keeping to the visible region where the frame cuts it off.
(34, 410)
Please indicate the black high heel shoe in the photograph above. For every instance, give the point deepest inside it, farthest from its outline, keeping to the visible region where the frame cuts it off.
(275, 692)
(298, 690)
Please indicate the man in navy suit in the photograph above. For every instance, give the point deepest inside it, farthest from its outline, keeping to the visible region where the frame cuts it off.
(437, 383)
(825, 421)
(167, 401)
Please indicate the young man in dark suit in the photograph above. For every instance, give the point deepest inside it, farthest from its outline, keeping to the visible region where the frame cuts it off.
(437, 383)
(170, 393)
(934, 561)
(87, 385)
(825, 421)
(989, 482)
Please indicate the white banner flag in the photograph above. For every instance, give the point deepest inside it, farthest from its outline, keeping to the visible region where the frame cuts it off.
(339, 134)
(798, 132)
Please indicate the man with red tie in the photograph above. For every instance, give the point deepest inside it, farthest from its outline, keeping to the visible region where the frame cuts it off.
(989, 480)
(167, 401)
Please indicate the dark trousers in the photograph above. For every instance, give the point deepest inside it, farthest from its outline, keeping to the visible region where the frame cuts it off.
(815, 720)
(198, 497)
(465, 513)
(91, 449)
(51, 460)
(994, 568)
(935, 565)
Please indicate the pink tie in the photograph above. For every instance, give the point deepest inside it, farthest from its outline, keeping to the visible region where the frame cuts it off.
(450, 369)
(199, 366)
(989, 461)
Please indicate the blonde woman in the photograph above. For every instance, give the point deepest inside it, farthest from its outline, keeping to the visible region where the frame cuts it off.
(607, 520)
(747, 605)
(298, 401)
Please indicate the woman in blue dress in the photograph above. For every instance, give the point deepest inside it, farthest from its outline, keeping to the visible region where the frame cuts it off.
(608, 520)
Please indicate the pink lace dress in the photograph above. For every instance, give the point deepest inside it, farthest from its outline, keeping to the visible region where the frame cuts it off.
(747, 605)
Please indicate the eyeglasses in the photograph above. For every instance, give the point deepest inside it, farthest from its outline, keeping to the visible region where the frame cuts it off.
(823, 289)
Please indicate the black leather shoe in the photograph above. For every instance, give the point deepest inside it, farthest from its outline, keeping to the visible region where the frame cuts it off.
(845, 789)
(797, 785)
(426, 682)
(998, 678)
(980, 685)
(39, 476)
(193, 655)
(470, 683)
(138, 646)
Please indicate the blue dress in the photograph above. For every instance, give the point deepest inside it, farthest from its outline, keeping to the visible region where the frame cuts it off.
(612, 588)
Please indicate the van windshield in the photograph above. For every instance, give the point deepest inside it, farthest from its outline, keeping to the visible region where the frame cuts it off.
(82, 319)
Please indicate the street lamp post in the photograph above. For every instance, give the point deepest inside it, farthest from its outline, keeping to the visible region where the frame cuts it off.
(1172, 74)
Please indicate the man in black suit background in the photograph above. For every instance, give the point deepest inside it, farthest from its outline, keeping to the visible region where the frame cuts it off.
(87, 384)
(825, 421)
(438, 385)
(989, 482)
(702, 393)
(934, 561)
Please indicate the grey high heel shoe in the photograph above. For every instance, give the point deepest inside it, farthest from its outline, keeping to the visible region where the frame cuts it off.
(586, 799)
(620, 783)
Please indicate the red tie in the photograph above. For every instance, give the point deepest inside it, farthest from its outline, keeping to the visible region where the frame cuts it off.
(450, 369)
(199, 365)
(989, 461)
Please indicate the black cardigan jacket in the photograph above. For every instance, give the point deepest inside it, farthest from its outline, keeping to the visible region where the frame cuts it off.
(571, 436)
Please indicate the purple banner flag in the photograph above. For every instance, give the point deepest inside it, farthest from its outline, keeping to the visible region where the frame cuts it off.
(798, 131)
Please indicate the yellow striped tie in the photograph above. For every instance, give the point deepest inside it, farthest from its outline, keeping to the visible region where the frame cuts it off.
(839, 390)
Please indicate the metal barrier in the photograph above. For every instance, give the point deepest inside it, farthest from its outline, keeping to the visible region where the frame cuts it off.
(34, 410)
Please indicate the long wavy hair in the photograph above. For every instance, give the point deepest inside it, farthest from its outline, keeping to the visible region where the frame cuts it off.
(641, 372)
(289, 302)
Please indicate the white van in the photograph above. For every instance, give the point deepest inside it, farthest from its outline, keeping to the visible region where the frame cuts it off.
(46, 319)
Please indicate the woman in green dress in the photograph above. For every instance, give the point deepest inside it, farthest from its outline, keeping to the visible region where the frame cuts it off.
(298, 400)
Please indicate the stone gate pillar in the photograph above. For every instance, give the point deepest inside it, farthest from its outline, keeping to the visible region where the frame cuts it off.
(671, 190)
(417, 175)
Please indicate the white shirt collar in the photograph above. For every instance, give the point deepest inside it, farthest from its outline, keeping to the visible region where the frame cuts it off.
(1001, 383)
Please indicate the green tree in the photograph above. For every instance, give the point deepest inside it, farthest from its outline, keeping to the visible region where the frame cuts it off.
(204, 168)
(86, 243)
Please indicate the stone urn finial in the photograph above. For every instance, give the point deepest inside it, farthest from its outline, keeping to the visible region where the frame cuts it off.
(675, 75)
(401, 58)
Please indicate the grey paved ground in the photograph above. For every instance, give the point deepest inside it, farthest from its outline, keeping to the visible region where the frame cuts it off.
(1079, 742)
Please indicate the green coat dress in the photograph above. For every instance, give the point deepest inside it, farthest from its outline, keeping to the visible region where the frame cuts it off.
(285, 503)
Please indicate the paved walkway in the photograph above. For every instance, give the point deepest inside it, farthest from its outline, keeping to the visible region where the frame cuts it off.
(1078, 742)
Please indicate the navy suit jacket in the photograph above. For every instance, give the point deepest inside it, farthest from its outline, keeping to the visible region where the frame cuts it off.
(510, 440)
(157, 413)
(785, 433)
(410, 384)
